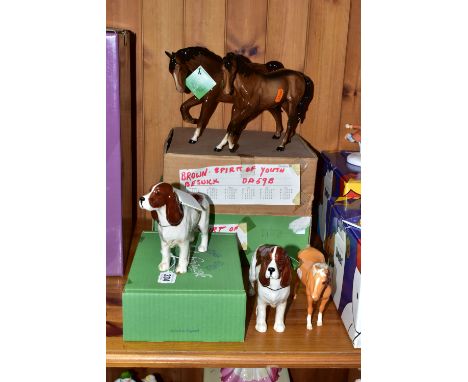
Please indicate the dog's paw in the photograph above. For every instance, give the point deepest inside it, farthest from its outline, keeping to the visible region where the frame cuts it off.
(181, 269)
(309, 326)
(279, 328)
(319, 323)
(163, 266)
(202, 248)
(261, 327)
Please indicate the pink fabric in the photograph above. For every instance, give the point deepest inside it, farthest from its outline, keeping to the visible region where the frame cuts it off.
(231, 375)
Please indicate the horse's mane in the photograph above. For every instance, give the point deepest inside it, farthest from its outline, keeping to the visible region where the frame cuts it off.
(321, 265)
(186, 54)
(243, 62)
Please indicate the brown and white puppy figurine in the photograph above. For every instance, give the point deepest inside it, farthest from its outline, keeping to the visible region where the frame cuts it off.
(315, 275)
(271, 266)
(178, 213)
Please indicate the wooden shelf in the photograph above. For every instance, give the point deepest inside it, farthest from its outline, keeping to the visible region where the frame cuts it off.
(324, 347)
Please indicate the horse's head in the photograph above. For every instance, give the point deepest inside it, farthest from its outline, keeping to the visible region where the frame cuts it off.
(230, 64)
(320, 280)
(178, 70)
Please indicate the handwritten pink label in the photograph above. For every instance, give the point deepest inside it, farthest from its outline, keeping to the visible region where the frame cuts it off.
(267, 184)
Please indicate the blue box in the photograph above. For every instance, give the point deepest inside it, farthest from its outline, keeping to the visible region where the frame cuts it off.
(340, 181)
(336, 212)
(343, 246)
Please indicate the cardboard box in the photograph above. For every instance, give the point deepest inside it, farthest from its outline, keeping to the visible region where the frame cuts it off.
(255, 148)
(207, 303)
(337, 213)
(347, 279)
(119, 200)
(290, 232)
(343, 246)
(340, 180)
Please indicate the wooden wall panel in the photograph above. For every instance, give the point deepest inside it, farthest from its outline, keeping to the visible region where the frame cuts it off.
(246, 24)
(351, 102)
(286, 40)
(163, 29)
(325, 64)
(126, 14)
(204, 25)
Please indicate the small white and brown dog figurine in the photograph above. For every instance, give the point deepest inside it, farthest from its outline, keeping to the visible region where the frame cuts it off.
(271, 266)
(315, 275)
(178, 213)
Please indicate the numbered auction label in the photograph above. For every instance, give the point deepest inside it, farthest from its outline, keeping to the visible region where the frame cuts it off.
(266, 184)
(167, 278)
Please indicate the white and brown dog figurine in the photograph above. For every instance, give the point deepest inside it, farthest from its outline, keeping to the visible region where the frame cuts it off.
(178, 213)
(271, 266)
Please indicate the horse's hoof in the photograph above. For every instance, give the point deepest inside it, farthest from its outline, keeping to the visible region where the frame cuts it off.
(217, 150)
(234, 149)
(280, 148)
(192, 142)
(276, 137)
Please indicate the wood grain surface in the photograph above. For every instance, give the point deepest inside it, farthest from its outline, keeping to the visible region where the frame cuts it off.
(324, 347)
(163, 23)
(204, 25)
(325, 64)
(351, 101)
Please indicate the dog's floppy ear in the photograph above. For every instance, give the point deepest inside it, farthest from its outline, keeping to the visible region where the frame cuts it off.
(154, 215)
(174, 211)
(263, 256)
(168, 54)
(286, 269)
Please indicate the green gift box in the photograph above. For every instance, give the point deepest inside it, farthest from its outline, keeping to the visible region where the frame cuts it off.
(205, 304)
(290, 232)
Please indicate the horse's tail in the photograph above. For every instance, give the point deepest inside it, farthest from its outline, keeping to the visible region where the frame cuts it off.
(303, 104)
(274, 65)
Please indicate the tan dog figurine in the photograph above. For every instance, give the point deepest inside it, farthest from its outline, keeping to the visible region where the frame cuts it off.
(315, 275)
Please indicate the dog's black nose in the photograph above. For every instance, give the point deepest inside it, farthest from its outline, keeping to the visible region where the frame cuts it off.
(271, 269)
(142, 199)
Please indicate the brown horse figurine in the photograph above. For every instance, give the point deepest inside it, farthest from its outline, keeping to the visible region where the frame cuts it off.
(313, 272)
(255, 92)
(183, 62)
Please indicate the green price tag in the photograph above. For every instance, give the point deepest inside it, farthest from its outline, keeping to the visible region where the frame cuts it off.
(200, 82)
